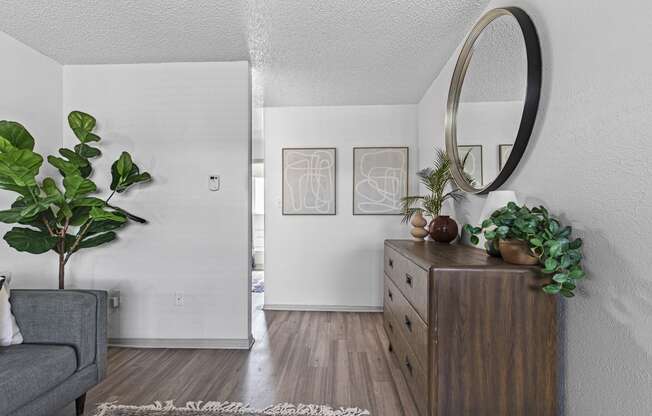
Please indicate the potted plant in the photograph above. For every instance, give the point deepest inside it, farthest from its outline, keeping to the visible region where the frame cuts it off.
(532, 236)
(61, 215)
(439, 182)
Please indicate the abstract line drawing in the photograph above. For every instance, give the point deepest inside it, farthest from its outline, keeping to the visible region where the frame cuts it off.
(380, 180)
(309, 181)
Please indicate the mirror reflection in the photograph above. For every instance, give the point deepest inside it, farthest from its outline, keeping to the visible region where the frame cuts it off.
(491, 100)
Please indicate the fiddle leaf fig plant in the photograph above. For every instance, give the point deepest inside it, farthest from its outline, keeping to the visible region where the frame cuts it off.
(63, 215)
(559, 254)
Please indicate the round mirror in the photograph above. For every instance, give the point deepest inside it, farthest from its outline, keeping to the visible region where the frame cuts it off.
(493, 99)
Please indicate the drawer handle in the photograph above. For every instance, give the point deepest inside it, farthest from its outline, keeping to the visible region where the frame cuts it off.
(408, 365)
(408, 323)
(390, 347)
(408, 279)
(390, 326)
(391, 263)
(390, 294)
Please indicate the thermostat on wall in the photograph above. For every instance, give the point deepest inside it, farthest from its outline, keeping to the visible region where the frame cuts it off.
(214, 182)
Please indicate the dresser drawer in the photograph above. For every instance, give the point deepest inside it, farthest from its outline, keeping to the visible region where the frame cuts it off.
(411, 279)
(412, 371)
(412, 327)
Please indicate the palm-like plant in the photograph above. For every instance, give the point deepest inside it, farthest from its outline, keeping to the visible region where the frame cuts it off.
(439, 182)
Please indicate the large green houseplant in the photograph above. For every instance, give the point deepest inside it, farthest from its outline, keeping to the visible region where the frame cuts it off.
(544, 237)
(61, 216)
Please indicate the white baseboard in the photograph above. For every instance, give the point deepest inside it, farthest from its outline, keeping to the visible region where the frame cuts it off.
(189, 343)
(322, 308)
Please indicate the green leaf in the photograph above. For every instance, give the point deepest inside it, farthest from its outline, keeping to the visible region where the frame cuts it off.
(88, 201)
(97, 240)
(129, 215)
(487, 223)
(568, 285)
(575, 244)
(474, 239)
(80, 215)
(536, 242)
(76, 185)
(490, 235)
(134, 179)
(560, 277)
(82, 124)
(551, 289)
(81, 120)
(20, 167)
(553, 227)
(66, 168)
(87, 151)
(73, 157)
(551, 264)
(566, 293)
(17, 135)
(577, 274)
(124, 164)
(99, 214)
(102, 226)
(51, 189)
(11, 216)
(28, 240)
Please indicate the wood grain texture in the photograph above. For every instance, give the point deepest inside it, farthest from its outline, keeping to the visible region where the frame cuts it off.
(496, 344)
(492, 333)
(332, 358)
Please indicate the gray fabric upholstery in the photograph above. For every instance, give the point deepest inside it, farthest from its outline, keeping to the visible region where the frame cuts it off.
(48, 404)
(54, 317)
(74, 321)
(26, 371)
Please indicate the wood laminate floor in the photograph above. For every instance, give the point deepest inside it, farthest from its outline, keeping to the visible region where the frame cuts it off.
(332, 358)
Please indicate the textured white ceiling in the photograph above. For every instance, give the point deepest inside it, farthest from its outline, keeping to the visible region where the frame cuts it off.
(305, 52)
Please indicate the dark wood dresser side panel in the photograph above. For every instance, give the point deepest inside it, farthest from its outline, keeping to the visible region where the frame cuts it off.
(496, 344)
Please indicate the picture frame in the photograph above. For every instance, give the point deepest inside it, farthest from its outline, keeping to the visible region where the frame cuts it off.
(380, 179)
(309, 181)
(503, 154)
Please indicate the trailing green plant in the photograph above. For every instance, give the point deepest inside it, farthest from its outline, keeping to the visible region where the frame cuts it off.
(558, 253)
(440, 185)
(61, 215)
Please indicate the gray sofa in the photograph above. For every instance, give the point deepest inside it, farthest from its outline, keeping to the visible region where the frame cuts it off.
(63, 354)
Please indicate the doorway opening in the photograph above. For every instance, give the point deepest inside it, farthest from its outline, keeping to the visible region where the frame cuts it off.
(258, 232)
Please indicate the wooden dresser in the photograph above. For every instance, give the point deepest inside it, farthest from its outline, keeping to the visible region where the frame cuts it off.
(472, 334)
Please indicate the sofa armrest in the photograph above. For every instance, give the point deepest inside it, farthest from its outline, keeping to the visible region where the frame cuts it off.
(67, 317)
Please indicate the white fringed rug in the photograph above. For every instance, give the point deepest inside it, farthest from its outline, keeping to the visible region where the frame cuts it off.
(224, 409)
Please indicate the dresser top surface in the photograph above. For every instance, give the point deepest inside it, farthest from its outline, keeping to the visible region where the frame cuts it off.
(430, 254)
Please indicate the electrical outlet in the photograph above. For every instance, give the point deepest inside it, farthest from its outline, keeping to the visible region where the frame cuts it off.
(178, 299)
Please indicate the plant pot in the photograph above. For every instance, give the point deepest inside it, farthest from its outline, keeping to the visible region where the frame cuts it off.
(443, 229)
(517, 252)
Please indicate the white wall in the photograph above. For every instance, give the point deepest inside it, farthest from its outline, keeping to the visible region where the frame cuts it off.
(181, 122)
(31, 95)
(329, 261)
(589, 160)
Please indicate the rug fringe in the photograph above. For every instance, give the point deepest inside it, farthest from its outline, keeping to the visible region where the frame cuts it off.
(281, 409)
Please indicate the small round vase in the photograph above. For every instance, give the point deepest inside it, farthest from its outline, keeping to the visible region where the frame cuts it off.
(418, 223)
(443, 229)
(517, 252)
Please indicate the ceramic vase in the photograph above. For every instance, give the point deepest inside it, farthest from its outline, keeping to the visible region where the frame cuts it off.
(443, 229)
(418, 227)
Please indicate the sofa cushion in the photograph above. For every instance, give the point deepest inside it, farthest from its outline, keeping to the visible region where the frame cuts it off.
(27, 371)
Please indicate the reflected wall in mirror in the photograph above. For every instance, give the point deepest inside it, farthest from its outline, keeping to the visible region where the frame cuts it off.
(493, 99)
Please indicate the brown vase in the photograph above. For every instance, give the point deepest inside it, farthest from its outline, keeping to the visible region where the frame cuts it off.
(517, 252)
(443, 229)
